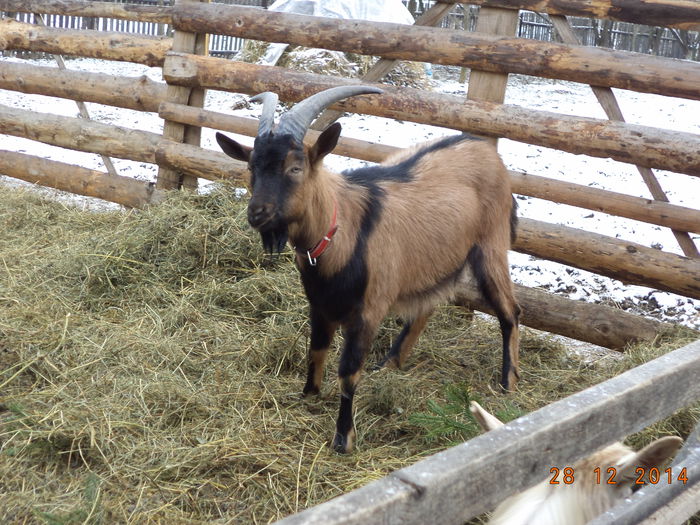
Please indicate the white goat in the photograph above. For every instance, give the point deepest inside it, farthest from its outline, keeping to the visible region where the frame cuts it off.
(565, 501)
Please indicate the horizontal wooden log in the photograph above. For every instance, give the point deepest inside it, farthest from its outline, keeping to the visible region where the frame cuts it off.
(452, 486)
(141, 94)
(140, 13)
(199, 162)
(597, 324)
(78, 180)
(119, 142)
(637, 208)
(79, 134)
(680, 14)
(629, 262)
(643, 145)
(18, 36)
(348, 147)
(589, 65)
(146, 95)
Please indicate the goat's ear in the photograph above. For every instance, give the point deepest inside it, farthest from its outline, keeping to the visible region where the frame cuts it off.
(653, 455)
(486, 420)
(325, 143)
(233, 149)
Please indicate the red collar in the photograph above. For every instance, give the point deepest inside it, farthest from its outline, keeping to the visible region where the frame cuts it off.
(322, 245)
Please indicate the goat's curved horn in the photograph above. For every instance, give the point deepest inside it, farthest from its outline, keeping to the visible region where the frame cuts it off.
(298, 119)
(267, 118)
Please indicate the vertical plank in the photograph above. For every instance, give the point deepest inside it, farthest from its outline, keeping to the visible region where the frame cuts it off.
(483, 85)
(184, 42)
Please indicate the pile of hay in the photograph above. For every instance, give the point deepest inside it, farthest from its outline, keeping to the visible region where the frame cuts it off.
(151, 364)
(336, 63)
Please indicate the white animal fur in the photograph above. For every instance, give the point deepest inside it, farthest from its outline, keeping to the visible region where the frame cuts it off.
(588, 495)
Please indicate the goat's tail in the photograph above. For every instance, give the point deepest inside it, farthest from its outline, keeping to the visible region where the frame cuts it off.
(513, 220)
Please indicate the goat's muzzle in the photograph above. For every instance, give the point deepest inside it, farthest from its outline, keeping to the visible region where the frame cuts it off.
(273, 230)
(259, 215)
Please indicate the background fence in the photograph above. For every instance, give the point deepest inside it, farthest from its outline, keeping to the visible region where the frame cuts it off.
(667, 42)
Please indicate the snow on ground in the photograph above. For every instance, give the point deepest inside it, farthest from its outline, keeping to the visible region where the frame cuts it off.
(550, 95)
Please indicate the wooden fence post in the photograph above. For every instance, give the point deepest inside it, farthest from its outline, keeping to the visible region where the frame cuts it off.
(198, 44)
(484, 85)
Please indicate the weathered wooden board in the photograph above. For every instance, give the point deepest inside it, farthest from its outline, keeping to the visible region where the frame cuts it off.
(598, 66)
(466, 480)
(187, 42)
(671, 150)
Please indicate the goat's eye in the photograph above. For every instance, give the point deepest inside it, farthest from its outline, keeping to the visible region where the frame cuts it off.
(294, 171)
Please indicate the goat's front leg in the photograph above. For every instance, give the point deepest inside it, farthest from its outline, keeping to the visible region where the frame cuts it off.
(358, 339)
(322, 332)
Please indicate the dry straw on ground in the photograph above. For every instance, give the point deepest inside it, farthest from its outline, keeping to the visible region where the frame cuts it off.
(151, 364)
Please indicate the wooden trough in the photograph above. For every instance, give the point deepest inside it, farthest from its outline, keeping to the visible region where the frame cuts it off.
(451, 485)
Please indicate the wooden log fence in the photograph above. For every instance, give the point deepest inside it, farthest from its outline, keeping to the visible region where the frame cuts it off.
(613, 203)
(609, 103)
(189, 43)
(452, 486)
(137, 13)
(652, 147)
(597, 66)
(85, 43)
(679, 14)
(141, 94)
(146, 95)
(623, 260)
(126, 191)
(629, 262)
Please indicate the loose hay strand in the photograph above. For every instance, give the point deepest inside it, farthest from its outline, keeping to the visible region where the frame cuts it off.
(152, 363)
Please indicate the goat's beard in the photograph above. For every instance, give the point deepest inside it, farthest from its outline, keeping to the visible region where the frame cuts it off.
(275, 238)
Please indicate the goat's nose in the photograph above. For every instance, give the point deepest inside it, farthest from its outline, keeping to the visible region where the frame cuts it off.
(258, 214)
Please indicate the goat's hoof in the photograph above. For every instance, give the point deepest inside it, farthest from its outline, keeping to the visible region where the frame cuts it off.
(343, 444)
(388, 362)
(313, 390)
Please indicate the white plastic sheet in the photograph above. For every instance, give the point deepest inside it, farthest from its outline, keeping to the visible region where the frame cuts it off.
(375, 11)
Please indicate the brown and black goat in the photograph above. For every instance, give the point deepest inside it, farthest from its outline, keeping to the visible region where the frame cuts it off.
(394, 237)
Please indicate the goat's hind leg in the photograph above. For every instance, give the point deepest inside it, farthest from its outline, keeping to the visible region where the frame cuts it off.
(402, 346)
(490, 267)
(322, 332)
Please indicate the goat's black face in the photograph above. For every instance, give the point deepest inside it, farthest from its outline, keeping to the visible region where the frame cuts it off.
(276, 166)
